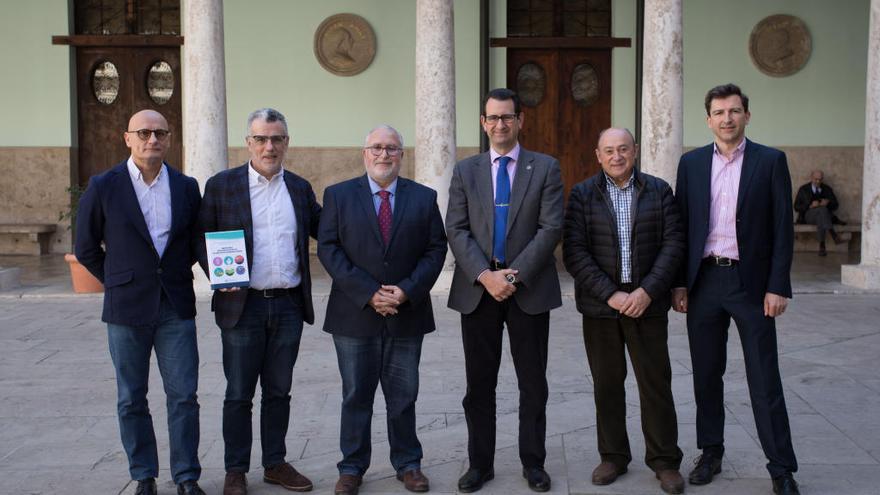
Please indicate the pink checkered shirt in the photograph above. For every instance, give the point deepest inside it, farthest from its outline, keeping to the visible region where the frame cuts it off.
(722, 212)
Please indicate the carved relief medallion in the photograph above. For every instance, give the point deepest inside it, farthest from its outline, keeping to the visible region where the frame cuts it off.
(345, 44)
(780, 45)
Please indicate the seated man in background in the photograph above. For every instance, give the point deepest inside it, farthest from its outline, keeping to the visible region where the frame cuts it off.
(815, 203)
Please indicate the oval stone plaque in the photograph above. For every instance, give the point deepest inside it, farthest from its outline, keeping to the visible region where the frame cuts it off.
(584, 85)
(345, 44)
(780, 45)
(530, 84)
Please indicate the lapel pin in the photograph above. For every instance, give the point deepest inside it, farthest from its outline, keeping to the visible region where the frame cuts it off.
(528, 167)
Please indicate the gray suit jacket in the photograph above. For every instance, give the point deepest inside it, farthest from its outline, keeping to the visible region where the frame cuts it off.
(534, 227)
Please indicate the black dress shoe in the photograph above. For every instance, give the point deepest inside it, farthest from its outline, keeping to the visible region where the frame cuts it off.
(539, 480)
(146, 486)
(707, 466)
(189, 487)
(474, 478)
(785, 485)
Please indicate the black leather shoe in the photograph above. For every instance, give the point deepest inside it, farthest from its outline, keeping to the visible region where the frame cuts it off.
(707, 466)
(785, 485)
(539, 480)
(189, 487)
(146, 486)
(474, 478)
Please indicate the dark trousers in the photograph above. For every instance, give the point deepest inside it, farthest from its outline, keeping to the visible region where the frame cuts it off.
(821, 218)
(262, 346)
(607, 340)
(481, 333)
(364, 363)
(717, 296)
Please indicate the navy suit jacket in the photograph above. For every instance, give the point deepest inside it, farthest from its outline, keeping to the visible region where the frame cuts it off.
(128, 264)
(227, 206)
(351, 249)
(764, 227)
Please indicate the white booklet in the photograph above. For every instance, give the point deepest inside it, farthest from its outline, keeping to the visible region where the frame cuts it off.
(227, 259)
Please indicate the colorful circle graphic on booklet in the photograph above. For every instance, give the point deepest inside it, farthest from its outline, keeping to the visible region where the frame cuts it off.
(227, 260)
(218, 272)
(218, 261)
(239, 259)
(239, 270)
(230, 271)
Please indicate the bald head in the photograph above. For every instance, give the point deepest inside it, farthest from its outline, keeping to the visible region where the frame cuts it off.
(617, 132)
(147, 149)
(138, 120)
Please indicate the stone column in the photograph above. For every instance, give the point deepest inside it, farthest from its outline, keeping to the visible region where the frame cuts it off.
(866, 275)
(662, 85)
(435, 97)
(204, 90)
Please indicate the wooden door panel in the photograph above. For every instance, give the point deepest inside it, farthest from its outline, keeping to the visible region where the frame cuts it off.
(538, 129)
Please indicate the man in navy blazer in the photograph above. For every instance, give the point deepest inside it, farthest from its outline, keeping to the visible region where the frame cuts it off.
(145, 213)
(382, 242)
(735, 200)
(261, 326)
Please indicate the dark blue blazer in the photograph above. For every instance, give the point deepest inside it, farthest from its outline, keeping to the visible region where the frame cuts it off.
(128, 264)
(764, 227)
(227, 206)
(351, 249)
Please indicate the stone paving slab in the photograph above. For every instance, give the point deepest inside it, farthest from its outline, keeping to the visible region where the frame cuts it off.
(58, 429)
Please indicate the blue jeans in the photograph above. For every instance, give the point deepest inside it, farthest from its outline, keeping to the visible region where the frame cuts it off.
(178, 355)
(262, 346)
(364, 362)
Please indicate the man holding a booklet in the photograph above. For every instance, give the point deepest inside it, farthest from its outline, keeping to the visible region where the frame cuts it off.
(261, 323)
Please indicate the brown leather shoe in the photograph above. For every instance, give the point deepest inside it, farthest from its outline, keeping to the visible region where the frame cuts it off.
(347, 484)
(670, 481)
(606, 472)
(235, 484)
(414, 480)
(285, 475)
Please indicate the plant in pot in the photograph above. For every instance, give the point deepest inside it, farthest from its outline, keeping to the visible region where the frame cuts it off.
(83, 281)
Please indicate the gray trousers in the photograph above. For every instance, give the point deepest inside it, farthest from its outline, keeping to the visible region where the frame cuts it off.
(821, 218)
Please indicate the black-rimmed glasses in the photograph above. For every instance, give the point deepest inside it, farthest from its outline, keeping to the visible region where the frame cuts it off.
(391, 150)
(144, 134)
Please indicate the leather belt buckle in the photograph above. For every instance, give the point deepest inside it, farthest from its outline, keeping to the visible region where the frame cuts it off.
(722, 261)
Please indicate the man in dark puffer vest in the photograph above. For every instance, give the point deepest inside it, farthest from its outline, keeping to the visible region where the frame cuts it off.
(623, 243)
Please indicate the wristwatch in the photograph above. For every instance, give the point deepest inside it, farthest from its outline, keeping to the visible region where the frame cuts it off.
(511, 278)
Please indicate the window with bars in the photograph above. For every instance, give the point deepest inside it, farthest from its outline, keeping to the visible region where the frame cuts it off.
(558, 18)
(109, 17)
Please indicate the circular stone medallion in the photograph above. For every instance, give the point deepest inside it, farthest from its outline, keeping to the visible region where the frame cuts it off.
(780, 45)
(345, 44)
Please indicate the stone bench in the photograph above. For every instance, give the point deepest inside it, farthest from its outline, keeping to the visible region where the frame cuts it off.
(805, 238)
(25, 238)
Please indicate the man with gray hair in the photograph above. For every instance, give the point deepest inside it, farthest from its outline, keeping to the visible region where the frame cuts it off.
(261, 325)
(383, 244)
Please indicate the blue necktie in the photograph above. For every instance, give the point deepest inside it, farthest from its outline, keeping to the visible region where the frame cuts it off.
(502, 205)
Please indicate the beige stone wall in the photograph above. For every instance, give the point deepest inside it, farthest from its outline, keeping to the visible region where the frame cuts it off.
(33, 183)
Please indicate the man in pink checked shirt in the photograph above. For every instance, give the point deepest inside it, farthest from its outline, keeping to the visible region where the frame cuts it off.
(734, 197)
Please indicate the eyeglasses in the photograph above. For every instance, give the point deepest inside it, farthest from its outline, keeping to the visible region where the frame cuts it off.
(144, 134)
(508, 118)
(275, 140)
(391, 150)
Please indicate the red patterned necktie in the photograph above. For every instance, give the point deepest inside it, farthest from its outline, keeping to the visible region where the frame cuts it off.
(385, 216)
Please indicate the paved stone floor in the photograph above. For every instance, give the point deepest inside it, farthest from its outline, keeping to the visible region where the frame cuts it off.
(58, 429)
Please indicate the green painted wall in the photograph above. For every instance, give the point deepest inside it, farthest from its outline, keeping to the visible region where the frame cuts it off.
(270, 62)
(821, 105)
(34, 90)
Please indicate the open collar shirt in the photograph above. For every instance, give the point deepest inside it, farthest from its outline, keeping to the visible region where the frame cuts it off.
(275, 263)
(155, 202)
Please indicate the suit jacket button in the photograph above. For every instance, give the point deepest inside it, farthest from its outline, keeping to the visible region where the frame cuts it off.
(385, 263)
(159, 271)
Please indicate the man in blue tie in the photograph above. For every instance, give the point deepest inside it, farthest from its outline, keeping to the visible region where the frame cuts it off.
(503, 222)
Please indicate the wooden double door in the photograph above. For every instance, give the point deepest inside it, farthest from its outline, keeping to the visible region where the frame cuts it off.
(566, 96)
(114, 82)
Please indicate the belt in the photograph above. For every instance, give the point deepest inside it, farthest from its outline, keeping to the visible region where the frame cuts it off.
(720, 260)
(496, 265)
(273, 293)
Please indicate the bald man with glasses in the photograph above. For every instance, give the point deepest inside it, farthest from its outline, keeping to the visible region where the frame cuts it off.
(137, 233)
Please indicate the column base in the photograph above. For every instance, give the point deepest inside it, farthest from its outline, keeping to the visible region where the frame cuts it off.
(862, 276)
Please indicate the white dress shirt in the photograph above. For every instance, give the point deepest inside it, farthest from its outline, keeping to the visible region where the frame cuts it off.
(155, 202)
(275, 263)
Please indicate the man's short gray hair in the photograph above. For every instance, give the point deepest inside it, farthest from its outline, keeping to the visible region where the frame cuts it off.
(267, 114)
(387, 128)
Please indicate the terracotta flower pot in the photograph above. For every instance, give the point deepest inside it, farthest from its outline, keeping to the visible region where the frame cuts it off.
(83, 280)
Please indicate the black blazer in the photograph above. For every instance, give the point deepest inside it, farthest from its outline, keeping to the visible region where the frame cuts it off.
(227, 206)
(591, 246)
(764, 227)
(351, 249)
(128, 264)
(805, 196)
